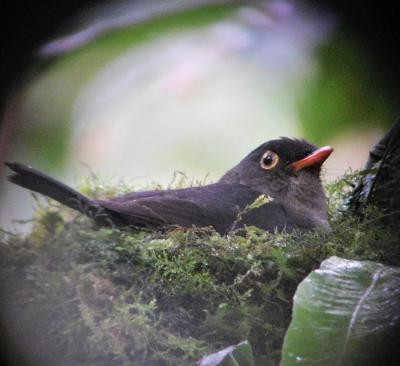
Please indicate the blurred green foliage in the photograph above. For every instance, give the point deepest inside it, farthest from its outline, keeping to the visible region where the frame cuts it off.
(346, 93)
(50, 93)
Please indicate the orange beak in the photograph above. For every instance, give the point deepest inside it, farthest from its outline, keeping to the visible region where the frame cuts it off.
(315, 158)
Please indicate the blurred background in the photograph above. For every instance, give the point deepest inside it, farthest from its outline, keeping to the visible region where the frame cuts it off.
(138, 90)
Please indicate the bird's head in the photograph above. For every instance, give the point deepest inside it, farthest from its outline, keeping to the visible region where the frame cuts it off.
(284, 168)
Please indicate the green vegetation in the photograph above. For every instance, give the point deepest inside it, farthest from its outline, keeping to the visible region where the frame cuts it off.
(341, 94)
(99, 296)
(345, 313)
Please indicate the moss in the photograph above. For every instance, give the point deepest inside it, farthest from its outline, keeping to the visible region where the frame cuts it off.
(80, 294)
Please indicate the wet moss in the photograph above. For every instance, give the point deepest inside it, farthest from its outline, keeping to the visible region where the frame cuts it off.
(78, 294)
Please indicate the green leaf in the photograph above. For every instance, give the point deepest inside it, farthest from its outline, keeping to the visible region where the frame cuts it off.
(239, 355)
(345, 313)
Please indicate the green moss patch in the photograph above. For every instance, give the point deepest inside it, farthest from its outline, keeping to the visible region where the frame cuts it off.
(77, 294)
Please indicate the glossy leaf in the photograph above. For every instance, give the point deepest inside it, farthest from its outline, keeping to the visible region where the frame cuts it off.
(345, 313)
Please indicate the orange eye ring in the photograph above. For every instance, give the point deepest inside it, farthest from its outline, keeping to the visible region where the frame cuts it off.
(269, 160)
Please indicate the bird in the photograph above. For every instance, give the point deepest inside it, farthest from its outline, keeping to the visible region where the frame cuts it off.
(286, 171)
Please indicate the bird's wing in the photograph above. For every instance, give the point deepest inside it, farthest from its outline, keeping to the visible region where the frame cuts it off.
(214, 205)
(222, 206)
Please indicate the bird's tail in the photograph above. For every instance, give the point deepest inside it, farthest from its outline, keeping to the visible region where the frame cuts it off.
(39, 182)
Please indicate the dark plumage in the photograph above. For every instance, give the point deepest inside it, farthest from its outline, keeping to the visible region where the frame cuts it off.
(286, 169)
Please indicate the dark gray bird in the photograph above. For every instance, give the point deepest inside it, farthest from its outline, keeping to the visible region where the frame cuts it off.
(287, 170)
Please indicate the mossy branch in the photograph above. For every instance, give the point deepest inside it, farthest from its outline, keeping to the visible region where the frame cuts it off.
(110, 296)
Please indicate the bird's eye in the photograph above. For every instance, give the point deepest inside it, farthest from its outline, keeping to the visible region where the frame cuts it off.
(269, 160)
